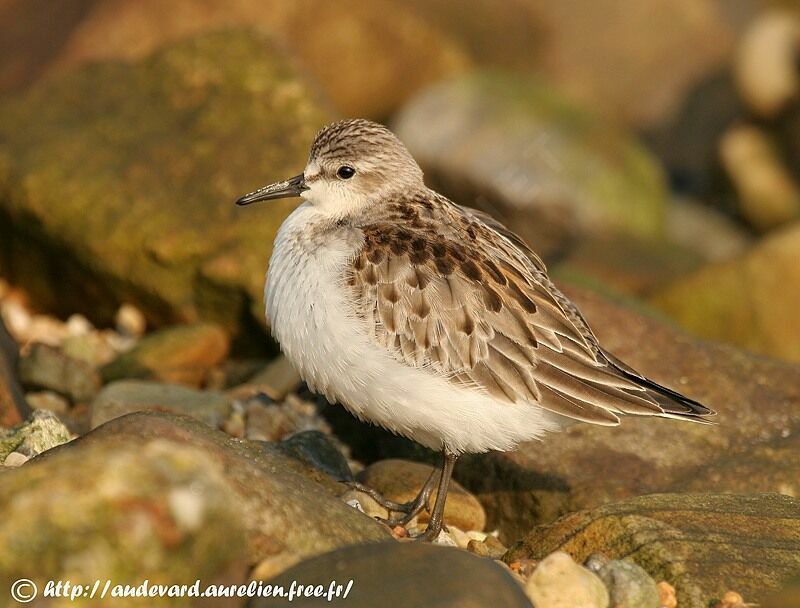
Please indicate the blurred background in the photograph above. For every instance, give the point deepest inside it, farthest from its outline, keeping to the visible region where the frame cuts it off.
(648, 150)
(653, 146)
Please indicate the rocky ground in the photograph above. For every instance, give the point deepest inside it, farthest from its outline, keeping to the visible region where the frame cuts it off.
(149, 429)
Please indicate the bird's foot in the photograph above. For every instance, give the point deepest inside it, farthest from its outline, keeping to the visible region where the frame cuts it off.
(430, 534)
(389, 505)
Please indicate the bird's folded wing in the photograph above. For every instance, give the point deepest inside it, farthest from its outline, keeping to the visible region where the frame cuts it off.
(486, 317)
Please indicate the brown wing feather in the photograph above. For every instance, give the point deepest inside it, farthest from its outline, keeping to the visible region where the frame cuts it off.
(451, 289)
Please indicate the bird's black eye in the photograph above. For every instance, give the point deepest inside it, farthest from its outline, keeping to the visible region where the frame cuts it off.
(345, 172)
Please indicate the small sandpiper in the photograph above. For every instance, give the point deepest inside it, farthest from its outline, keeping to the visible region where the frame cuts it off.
(431, 319)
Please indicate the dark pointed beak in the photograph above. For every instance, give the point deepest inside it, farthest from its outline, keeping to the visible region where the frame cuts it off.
(291, 187)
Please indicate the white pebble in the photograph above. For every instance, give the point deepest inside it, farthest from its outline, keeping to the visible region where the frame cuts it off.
(187, 507)
(130, 321)
(78, 325)
(15, 459)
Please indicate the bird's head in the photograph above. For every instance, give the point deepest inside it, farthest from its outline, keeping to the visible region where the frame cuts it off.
(353, 164)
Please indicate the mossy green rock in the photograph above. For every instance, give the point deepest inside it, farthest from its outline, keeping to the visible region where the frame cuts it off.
(41, 431)
(703, 544)
(117, 181)
(751, 301)
(159, 510)
(549, 170)
(164, 497)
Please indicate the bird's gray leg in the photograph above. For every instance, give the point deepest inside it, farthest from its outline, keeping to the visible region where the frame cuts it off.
(436, 521)
(416, 506)
(411, 508)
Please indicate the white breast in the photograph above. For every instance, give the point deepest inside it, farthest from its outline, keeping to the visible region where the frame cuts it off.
(308, 309)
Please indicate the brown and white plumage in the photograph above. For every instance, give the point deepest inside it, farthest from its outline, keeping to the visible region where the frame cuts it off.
(445, 288)
(431, 319)
(439, 293)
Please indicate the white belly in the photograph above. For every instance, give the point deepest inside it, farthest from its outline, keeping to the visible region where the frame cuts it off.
(310, 316)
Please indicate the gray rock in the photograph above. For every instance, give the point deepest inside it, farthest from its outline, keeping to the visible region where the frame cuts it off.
(274, 421)
(628, 584)
(317, 449)
(404, 575)
(277, 379)
(126, 396)
(46, 367)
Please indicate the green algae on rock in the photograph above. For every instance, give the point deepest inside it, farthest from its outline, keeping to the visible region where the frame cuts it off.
(540, 161)
(42, 431)
(164, 497)
(703, 544)
(117, 180)
(751, 301)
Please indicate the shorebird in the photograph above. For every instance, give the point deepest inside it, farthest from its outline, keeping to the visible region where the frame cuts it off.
(432, 319)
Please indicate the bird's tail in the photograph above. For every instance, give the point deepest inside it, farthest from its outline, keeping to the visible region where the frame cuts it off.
(671, 402)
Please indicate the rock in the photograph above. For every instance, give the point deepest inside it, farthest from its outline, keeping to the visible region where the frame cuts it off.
(766, 62)
(401, 480)
(603, 55)
(705, 230)
(769, 467)
(130, 321)
(15, 459)
(687, 143)
(628, 584)
(666, 595)
(558, 582)
(364, 503)
(317, 449)
(146, 495)
(276, 380)
(546, 169)
(48, 400)
(94, 348)
(585, 466)
(750, 301)
(46, 367)
(626, 264)
(42, 431)
(270, 421)
(704, 544)
(788, 596)
(134, 509)
(12, 401)
(170, 241)
(181, 355)
(406, 574)
(127, 396)
(412, 52)
(488, 547)
(768, 194)
(731, 599)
